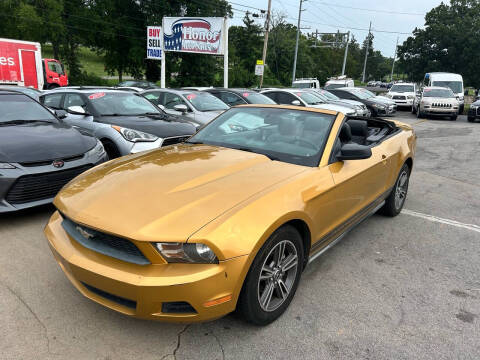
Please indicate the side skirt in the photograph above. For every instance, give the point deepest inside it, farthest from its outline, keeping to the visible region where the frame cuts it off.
(338, 234)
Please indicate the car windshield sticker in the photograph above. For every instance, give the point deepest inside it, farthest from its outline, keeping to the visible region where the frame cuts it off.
(298, 94)
(96, 96)
(190, 97)
(245, 94)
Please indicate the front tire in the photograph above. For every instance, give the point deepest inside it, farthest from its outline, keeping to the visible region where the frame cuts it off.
(453, 118)
(395, 201)
(273, 277)
(471, 119)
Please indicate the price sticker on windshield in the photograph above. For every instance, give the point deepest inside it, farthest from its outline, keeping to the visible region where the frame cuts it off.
(190, 97)
(96, 96)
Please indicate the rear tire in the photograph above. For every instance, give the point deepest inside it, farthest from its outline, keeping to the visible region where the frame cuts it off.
(273, 277)
(395, 201)
(471, 119)
(52, 86)
(111, 149)
(419, 113)
(453, 118)
(412, 109)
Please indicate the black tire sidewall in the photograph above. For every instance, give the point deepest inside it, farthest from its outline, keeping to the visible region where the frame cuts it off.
(389, 208)
(249, 304)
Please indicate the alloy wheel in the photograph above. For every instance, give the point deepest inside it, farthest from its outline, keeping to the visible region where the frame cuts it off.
(277, 275)
(401, 189)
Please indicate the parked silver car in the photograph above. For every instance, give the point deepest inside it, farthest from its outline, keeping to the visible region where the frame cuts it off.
(124, 122)
(434, 100)
(200, 107)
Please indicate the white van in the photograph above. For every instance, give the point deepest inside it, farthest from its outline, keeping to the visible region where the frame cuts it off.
(338, 83)
(306, 83)
(452, 81)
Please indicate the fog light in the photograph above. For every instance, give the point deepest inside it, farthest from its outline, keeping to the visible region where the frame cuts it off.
(179, 307)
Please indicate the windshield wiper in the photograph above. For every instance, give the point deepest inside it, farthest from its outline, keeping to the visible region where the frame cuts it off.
(115, 114)
(194, 142)
(271, 157)
(19, 122)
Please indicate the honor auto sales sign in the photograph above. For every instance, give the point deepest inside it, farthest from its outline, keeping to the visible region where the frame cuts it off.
(194, 35)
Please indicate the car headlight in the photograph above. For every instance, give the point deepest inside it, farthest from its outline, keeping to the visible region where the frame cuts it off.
(379, 106)
(186, 253)
(471, 107)
(134, 135)
(6, 166)
(98, 150)
(410, 97)
(389, 96)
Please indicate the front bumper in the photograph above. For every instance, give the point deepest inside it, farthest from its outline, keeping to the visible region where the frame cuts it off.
(474, 113)
(145, 288)
(439, 111)
(9, 177)
(407, 102)
(389, 110)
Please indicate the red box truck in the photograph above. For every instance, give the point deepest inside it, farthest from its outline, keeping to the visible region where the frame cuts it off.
(21, 64)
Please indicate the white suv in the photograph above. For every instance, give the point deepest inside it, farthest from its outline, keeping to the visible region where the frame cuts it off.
(403, 94)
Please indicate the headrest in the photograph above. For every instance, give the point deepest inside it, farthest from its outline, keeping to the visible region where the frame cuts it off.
(345, 133)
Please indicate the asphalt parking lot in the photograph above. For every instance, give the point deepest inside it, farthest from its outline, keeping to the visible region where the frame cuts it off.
(401, 288)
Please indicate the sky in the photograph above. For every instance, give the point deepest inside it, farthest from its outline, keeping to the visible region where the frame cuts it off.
(332, 15)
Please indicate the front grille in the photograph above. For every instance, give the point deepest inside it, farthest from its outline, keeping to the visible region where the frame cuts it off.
(117, 299)
(42, 186)
(442, 105)
(49, 162)
(399, 97)
(174, 140)
(105, 244)
(179, 307)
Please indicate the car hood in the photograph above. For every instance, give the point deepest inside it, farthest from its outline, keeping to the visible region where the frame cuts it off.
(151, 124)
(334, 107)
(204, 117)
(440, 100)
(383, 100)
(168, 194)
(40, 141)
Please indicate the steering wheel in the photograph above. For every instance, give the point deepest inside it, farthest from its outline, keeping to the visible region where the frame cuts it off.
(309, 144)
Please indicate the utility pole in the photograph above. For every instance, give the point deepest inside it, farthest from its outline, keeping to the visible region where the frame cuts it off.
(296, 43)
(394, 57)
(345, 55)
(265, 40)
(366, 53)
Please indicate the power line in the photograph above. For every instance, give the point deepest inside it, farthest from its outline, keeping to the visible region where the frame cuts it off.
(372, 10)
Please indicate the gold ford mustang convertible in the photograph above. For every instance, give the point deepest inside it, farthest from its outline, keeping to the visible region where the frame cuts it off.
(229, 219)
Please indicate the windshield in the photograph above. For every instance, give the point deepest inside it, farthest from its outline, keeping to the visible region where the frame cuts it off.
(321, 96)
(334, 86)
(301, 85)
(203, 101)
(117, 103)
(329, 95)
(362, 94)
(309, 98)
(441, 93)
(22, 108)
(456, 86)
(139, 84)
(256, 98)
(55, 67)
(402, 88)
(292, 136)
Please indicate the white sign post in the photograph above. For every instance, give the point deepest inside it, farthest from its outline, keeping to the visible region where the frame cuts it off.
(195, 35)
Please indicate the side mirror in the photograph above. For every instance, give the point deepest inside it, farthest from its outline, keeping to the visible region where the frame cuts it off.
(296, 103)
(77, 110)
(181, 107)
(354, 152)
(61, 114)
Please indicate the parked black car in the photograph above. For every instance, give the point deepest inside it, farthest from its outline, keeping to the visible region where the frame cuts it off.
(234, 97)
(32, 92)
(474, 111)
(125, 122)
(377, 105)
(39, 153)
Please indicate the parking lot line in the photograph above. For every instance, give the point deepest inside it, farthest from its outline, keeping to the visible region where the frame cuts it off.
(471, 227)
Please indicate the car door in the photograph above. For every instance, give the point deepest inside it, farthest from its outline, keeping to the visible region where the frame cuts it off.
(84, 122)
(360, 185)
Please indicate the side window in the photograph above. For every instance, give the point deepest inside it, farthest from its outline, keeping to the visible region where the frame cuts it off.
(170, 100)
(231, 99)
(285, 98)
(272, 95)
(53, 101)
(153, 97)
(73, 100)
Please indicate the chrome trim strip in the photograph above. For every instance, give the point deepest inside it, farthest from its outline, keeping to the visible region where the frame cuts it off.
(334, 242)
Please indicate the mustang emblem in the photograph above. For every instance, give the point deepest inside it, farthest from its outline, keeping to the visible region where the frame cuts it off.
(84, 233)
